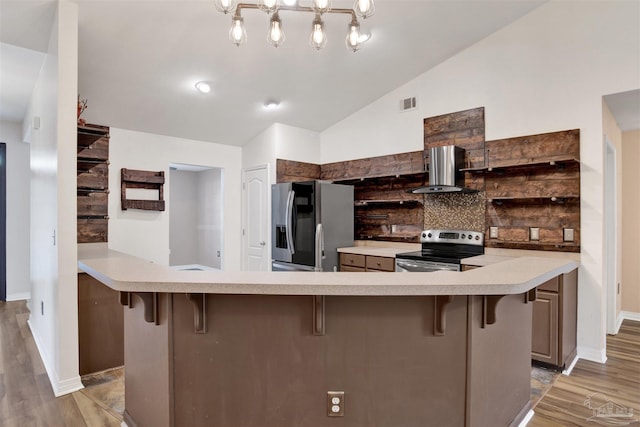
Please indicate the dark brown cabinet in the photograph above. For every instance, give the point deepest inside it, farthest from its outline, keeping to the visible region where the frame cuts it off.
(553, 340)
(100, 326)
(363, 263)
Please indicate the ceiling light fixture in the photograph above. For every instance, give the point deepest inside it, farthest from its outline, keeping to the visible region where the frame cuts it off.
(275, 36)
(203, 87)
(271, 105)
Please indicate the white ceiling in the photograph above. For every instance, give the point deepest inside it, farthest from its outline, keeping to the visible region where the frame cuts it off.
(138, 61)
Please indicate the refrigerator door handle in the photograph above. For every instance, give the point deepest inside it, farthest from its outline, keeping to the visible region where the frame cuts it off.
(289, 222)
(319, 247)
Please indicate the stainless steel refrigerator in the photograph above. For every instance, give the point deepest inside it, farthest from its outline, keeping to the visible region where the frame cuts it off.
(310, 220)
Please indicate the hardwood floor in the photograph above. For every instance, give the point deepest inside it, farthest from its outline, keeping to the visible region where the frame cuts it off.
(26, 397)
(572, 400)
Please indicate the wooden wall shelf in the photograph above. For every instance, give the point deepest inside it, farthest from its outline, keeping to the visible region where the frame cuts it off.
(148, 180)
(533, 199)
(93, 183)
(551, 161)
(394, 202)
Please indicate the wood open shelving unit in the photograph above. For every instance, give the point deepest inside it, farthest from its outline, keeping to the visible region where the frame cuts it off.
(148, 180)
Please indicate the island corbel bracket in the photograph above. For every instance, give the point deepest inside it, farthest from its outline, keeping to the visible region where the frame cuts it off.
(318, 315)
(125, 299)
(440, 313)
(531, 295)
(150, 301)
(199, 302)
(489, 303)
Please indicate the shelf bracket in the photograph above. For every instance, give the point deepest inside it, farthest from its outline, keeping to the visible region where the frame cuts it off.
(199, 312)
(531, 295)
(318, 315)
(440, 313)
(489, 303)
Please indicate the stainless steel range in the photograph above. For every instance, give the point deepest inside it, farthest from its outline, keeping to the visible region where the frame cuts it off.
(441, 250)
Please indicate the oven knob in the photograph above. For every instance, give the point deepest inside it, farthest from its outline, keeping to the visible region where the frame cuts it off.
(477, 237)
(425, 234)
(463, 236)
(470, 236)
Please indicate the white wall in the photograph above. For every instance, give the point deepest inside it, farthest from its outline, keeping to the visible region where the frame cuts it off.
(546, 72)
(18, 190)
(53, 267)
(146, 233)
(281, 141)
(183, 217)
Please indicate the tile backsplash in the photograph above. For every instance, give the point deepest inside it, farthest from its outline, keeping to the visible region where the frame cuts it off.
(455, 211)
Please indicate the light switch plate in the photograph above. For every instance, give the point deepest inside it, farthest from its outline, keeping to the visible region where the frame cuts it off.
(493, 232)
(534, 233)
(569, 235)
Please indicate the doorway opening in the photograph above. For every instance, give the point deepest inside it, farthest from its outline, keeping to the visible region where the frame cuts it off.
(610, 232)
(3, 221)
(195, 217)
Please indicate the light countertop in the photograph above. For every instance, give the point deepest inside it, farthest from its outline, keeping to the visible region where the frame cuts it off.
(122, 272)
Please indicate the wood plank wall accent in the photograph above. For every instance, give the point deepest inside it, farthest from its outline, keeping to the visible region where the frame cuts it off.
(373, 167)
(463, 129)
(148, 180)
(533, 181)
(290, 171)
(92, 183)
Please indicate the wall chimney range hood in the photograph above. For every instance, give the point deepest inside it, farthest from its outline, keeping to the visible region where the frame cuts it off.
(444, 172)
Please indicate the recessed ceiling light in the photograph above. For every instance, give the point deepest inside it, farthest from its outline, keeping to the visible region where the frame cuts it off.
(271, 105)
(203, 87)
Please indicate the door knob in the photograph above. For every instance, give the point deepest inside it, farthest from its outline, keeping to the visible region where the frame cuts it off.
(262, 243)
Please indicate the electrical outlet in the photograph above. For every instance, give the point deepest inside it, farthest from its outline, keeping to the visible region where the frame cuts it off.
(493, 232)
(569, 235)
(335, 403)
(534, 233)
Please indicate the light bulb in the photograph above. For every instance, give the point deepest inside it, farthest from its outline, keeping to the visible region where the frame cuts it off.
(353, 36)
(318, 37)
(237, 33)
(276, 34)
(321, 6)
(290, 2)
(225, 6)
(269, 5)
(364, 8)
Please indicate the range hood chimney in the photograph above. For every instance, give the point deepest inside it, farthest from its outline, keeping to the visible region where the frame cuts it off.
(444, 171)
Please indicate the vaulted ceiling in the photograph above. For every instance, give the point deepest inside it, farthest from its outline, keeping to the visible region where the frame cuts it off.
(139, 61)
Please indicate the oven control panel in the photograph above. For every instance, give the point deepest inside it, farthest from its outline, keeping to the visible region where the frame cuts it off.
(465, 237)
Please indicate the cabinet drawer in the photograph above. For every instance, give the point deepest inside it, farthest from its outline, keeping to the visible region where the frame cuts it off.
(552, 285)
(352, 260)
(381, 263)
(352, 269)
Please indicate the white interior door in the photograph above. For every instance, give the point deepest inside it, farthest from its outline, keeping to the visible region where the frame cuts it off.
(256, 220)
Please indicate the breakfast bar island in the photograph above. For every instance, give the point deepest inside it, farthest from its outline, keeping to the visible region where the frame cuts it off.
(262, 349)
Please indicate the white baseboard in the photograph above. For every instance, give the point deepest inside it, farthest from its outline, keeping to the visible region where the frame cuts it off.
(60, 387)
(567, 371)
(618, 323)
(526, 419)
(592, 354)
(630, 315)
(18, 296)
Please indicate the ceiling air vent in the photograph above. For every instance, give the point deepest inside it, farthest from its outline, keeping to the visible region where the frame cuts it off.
(408, 104)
